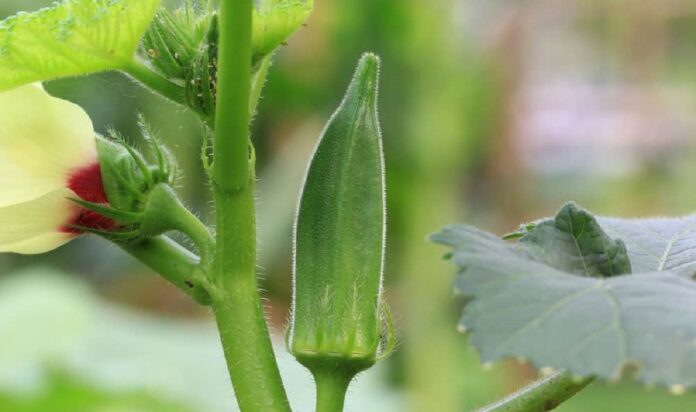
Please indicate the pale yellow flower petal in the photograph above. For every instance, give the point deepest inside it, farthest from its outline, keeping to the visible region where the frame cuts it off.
(39, 244)
(42, 140)
(37, 226)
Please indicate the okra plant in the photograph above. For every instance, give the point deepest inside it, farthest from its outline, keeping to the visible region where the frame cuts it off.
(579, 296)
(60, 179)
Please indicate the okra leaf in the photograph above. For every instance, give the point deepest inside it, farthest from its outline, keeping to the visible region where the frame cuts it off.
(527, 305)
(274, 21)
(659, 244)
(653, 245)
(573, 241)
(71, 38)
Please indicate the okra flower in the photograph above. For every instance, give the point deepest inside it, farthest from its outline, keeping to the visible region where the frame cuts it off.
(48, 155)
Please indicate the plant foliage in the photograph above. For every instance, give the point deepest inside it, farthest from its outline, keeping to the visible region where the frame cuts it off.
(71, 38)
(595, 296)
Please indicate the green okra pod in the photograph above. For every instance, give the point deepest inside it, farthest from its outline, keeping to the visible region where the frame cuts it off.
(337, 322)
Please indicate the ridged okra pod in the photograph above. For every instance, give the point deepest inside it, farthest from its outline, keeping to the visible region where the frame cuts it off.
(337, 314)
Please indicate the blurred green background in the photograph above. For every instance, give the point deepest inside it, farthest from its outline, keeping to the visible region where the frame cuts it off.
(494, 112)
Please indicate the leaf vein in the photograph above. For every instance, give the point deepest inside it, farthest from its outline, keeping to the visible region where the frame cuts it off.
(562, 301)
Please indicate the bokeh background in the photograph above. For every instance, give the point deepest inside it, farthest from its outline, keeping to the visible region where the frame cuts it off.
(494, 112)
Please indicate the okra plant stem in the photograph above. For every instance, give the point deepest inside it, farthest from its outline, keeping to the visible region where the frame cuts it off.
(171, 260)
(236, 300)
(231, 146)
(543, 395)
(238, 309)
(331, 389)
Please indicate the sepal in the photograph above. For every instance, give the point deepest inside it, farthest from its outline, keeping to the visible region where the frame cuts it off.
(162, 212)
(117, 215)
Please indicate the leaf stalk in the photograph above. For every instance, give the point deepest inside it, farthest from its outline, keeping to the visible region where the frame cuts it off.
(543, 395)
(146, 76)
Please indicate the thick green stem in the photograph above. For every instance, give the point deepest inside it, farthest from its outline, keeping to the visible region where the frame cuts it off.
(155, 81)
(331, 389)
(543, 395)
(236, 299)
(238, 309)
(231, 146)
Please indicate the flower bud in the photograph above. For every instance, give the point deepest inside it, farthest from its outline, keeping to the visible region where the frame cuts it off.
(183, 44)
(60, 180)
(201, 79)
(173, 39)
(139, 193)
(140, 197)
(143, 207)
(337, 313)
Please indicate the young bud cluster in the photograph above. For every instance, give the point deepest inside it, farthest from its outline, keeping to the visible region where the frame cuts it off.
(174, 38)
(182, 44)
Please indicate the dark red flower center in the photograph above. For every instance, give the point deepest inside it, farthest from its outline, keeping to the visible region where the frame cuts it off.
(87, 184)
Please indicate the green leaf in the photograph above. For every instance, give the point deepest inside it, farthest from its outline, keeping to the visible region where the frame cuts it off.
(71, 38)
(653, 245)
(574, 242)
(275, 21)
(340, 235)
(546, 310)
(657, 245)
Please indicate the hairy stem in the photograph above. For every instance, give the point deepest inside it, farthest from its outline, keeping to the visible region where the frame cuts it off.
(231, 146)
(199, 235)
(543, 395)
(165, 212)
(238, 309)
(331, 389)
(172, 261)
(236, 298)
(156, 82)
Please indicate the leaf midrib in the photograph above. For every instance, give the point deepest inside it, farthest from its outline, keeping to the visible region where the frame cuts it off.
(577, 246)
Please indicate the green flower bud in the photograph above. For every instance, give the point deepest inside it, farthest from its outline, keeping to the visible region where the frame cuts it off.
(173, 38)
(127, 176)
(337, 314)
(182, 45)
(274, 21)
(143, 206)
(140, 198)
(201, 78)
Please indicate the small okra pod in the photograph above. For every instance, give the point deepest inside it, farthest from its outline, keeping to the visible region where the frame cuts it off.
(338, 312)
